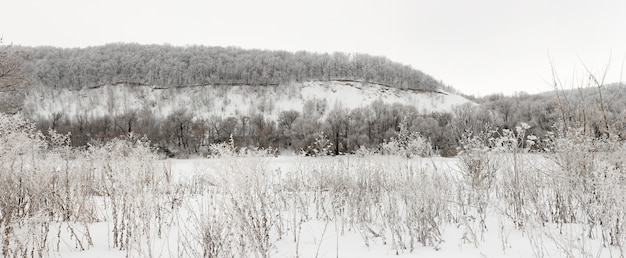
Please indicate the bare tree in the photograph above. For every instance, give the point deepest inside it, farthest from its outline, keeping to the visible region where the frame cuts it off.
(12, 80)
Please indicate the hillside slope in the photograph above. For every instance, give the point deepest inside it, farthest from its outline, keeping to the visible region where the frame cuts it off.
(187, 98)
(225, 101)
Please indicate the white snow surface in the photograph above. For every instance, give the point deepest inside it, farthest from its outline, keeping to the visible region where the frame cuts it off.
(329, 239)
(225, 101)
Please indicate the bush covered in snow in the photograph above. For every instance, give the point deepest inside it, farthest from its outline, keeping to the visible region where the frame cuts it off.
(408, 144)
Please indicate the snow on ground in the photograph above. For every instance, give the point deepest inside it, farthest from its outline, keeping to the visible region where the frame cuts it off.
(354, 95)
(317, 238)
(224, 101)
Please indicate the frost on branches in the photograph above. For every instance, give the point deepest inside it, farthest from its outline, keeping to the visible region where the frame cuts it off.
(50, 193)
(408, 144)
(229, 149)
(322, 146)
(18, 136)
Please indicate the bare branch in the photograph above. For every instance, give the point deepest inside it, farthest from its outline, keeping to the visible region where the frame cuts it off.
(556, 83)
(12, 79)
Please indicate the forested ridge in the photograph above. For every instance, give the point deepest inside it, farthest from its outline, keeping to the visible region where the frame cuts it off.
(173, 66)
(596, 110)
(52, 71)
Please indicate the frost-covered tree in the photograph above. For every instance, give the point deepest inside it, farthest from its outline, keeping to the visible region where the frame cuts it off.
(337, 123)
(12, 79)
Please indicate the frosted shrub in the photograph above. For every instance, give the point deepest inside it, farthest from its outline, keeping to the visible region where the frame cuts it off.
(478, 176)
(134, 188)
(42, 191)
(475, 184)
(320, 147)
(408, 144)
(250, 203)
(19, 137)
(578, 183)
(474, 142)
(476, 164)
(22, 202)
(391, 148)
(492, 163)
(224, 149)
(383, 197)
(610, 198)
(364, 152)
(588, 184)
(424, 195)
(228, 149)
(416, 145)
(212, 229)
(516, 186)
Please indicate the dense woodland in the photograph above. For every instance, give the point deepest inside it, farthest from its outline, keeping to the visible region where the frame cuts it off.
(171, 66)
(597, 109)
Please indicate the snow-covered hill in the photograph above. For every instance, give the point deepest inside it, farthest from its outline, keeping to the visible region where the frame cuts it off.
(224, 101)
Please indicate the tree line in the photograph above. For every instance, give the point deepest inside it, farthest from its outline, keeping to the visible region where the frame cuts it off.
(596, 111)
(183, 133)
(174, 66)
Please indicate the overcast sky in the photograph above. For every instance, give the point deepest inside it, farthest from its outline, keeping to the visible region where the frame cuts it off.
(478, 47)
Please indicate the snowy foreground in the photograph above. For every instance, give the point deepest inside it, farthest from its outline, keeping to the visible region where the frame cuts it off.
(348, 206)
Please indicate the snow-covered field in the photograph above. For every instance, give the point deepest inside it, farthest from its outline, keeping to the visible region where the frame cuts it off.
(460, 236)
(349, 206)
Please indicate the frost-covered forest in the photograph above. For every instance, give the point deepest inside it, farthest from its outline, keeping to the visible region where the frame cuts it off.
(170, 66)
(183, 131)
(207, 74)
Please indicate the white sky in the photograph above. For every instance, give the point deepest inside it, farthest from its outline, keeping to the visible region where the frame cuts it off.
(478, 46)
